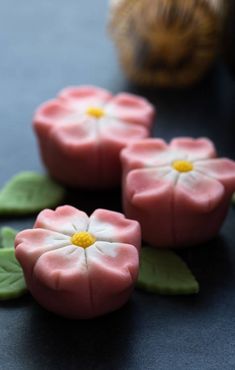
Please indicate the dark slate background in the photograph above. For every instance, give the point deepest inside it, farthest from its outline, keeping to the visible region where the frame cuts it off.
(46, 45)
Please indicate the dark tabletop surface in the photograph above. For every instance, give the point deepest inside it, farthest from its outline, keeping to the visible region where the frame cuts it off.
(46, 45)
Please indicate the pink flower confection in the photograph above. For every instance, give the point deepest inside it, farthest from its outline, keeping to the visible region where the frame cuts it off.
(180, 193)
(82, 131)
(80, 267)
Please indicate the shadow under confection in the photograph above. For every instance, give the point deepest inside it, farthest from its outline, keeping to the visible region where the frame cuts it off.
(90, 200)
(94, 340)
(15, 304)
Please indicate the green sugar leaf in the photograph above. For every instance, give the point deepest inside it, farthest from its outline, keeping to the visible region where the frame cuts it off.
(29, 192)
(7, 237)
(163, 272)
(12, 283)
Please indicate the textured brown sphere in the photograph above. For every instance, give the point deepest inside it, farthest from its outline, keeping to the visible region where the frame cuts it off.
(166, 42)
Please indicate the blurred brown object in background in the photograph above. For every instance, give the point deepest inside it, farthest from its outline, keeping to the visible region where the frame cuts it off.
(229, 36)
(169, 43)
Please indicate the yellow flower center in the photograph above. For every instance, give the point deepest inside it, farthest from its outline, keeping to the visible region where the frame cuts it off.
(182, 166)
(83, 239)
(95, 112)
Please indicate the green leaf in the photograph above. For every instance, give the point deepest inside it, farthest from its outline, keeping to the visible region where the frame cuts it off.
(7, 237)
(29, 192)
(163, 272)
(12, 283)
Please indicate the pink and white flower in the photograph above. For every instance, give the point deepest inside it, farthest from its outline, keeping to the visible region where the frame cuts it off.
(82, 131)
(77, 266)
(180, 193)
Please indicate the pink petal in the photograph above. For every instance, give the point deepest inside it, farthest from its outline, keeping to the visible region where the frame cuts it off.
(199, 192)
(31, 244)
(195, 148)
(112, 226)
(65, 220)
(222, 170)
(144, 153)
(73, 156)
(113, 270)
(119, 132)
(60, 283)
(50, 114)
(141, 183)
(80, 98)
(200, 206)
(62, 269)
(148, 198)
(132, 108)
(74, 135)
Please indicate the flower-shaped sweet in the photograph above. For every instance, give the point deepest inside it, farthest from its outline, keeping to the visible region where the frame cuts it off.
(80, 267)
(179, 192)
(82, 131)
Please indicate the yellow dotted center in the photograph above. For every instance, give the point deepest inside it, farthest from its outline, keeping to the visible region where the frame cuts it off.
(95, 112)
(182, 166)
(83, 239)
